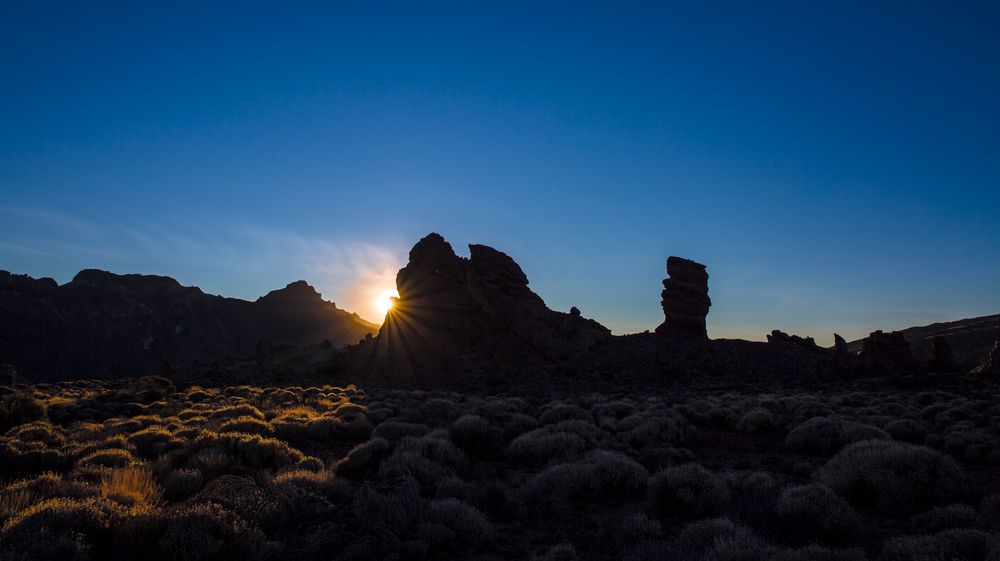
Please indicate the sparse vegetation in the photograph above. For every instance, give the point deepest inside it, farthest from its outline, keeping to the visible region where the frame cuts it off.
(91, 472)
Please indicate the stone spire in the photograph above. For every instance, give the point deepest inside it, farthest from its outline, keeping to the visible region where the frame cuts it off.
(685, 299)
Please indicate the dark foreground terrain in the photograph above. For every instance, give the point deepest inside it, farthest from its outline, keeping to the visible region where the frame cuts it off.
(142, 470)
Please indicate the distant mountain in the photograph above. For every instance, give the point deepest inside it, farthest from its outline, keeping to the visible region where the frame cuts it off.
(971, 339)
(106, 325)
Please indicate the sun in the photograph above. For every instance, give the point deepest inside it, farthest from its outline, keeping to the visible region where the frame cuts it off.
(384, 300)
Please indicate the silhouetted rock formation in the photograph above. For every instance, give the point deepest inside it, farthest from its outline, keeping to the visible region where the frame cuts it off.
(889, 353)
(685, 299)
(839, 345)
(106, 325)
(941, 358)
(454, 313)
(779, 338)
(970, 338)
(990, 364)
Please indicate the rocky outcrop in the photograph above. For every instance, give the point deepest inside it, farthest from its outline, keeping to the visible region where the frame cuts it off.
(685, 299)
(839, 345)
(103, 325)
(990, 364)
(888, 353)
(969, 338)
(941, 359)
(780, 338)
(454, 314)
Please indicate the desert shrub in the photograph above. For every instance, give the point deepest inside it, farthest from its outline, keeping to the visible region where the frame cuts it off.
(758, 420)
(396, 430)
(558, 552)
(716, 539)
(944, 518)
(894, 477)
(388, 511)
(324, 483)
(608, 414)
(563, 412)
(237, 411)
(477, 436)
(688, 489)
(310, 463)
(151, 442)
(469, 525)
(753, 496)
(37, 431)
(362, 459)
(825, 435)
(953, 545)
(439, 411)
(111, 457)
(131, 486)
(647, 429)
(250, 450)
(247, 424)
(492, 497)
(819, 553)
(18, 408)
(427, 459)
(972, 445)
(561, 441)
(601, 473)
(907, 430)
(206, 532)
(815, 513)
(87, 521)
(182, 483)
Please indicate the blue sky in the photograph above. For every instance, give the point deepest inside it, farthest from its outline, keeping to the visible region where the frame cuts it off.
(836, 166)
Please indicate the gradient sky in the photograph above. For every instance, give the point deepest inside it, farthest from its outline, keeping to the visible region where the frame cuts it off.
(836, 166)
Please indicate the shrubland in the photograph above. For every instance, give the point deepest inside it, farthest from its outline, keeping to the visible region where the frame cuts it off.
(144, 469)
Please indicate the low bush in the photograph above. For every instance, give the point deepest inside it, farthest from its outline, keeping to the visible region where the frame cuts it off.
(945, 518)
(18, 408)
(469, 525)
(894, 477)
(600, 474)
(826, 435)
(689, 489)
(208, 532)
(951, 545)
(815, 513)
(362, 459)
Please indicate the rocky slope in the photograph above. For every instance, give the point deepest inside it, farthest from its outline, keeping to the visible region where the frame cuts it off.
(970, 339)
(106, 325)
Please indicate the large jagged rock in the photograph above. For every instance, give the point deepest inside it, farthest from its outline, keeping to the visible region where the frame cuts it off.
(103, 325)
(454, 314)
(889, 353)
(990, 364)
(940, 358)
(685, 299)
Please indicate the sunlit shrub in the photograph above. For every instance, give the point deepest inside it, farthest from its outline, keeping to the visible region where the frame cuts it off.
(152, 442)
(237, 411)
(111, 457)
(247, 424)
(89, 521)
(131, 486)
(893, 477)
(251, 450)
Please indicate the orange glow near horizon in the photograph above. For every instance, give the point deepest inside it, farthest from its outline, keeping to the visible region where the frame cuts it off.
(383, 302)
